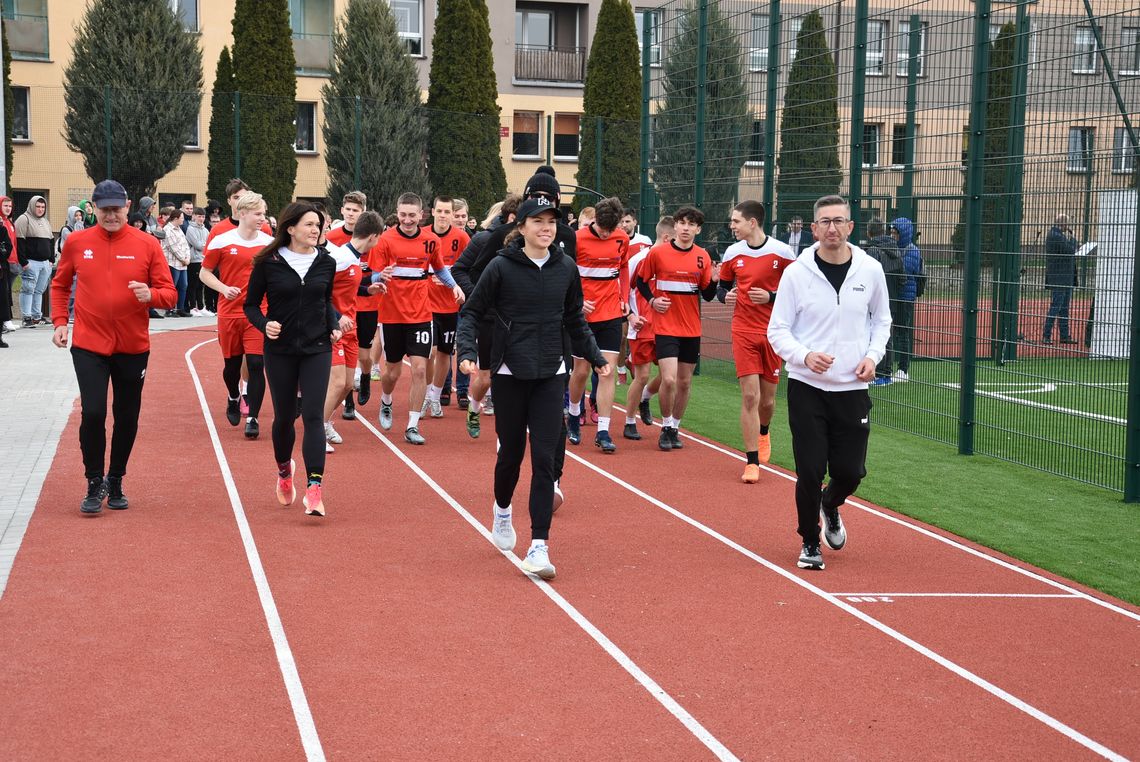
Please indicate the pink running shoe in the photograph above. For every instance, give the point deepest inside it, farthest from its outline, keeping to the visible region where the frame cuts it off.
(286, 492)
(314, 505)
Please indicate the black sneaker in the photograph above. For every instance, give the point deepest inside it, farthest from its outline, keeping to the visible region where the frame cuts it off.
(664, 441)
(462, 399)
(364, 393)
(96, 491)
(631, 432)
(159, 316)
(834, 533)
(233, 411)
(349, 412)
(252, 429)
(602, 440)
(29, 322)
(675, 438)
(646, 415)
(811, 558)
(116, 500)
(574, 429)
(445, 398)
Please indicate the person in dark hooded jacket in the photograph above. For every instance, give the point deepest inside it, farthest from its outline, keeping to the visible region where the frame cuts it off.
(903, 333)
(534, 289)
(886, 252)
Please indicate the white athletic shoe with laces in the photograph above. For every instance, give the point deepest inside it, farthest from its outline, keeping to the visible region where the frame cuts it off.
(502, 530)
(436, 408)
(331, 435)
(537, 562)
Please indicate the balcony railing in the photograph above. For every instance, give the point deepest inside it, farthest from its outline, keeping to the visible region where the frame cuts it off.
(539, 63)
(313, 53)
(27, 36)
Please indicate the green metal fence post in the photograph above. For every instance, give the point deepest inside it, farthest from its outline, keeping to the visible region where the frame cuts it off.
(770, 115)
(598, 127)
(702, 93)
(107, 128)
(972, 267)
(358, 126)
(645, 215)
(1132, 434)
(858, 102)
(237, 134)
(905, 198)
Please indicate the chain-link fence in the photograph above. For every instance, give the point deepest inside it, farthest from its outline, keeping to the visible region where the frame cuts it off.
(1005, 132)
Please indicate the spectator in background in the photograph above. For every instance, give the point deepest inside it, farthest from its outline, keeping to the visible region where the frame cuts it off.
(213, 212)
(903, 331)
(187, 213)
(9, 264)
(585, 217)
(177, 252)
(147, 208)
(885, 250)
(196, 237)
(1060, 277)
(795, 235)
(36, 252)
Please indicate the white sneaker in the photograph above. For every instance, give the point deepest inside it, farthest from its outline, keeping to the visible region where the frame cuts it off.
(834, 533)
(559, 498)
(9, 325)
(436, 408)
(331, 435)
(537, 562)
(502, 530)
(208, 313)
(900, 377)
(329, 447)
(356, 380)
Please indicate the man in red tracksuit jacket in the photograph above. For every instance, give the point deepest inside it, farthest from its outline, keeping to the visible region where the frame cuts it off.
(122, 273)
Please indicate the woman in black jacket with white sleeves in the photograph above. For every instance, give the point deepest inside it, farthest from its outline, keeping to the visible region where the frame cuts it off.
(537, 294)
(295, 280)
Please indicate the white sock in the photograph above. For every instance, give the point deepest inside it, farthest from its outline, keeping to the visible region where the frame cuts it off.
(645, 395)
(502, 511)
(603, 423)
(244, 387)
(668, 422)
(676, 423)
(413, 419)
(433, 392)
(576, 408)
(386, 398)
(621, 369)
(537, 543)
(629, 420)
(474, 404)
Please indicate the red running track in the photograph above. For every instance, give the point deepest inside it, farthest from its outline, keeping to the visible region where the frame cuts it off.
(678, 627)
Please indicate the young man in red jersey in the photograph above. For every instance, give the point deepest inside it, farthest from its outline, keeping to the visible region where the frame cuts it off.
(351, 207)
(684, 274)
(642, 342)
(234, 189)
(124, 273)
(230, 255)
(453, 239)
(602, 250)
(367, 228)
(749, 278)
(406, 255)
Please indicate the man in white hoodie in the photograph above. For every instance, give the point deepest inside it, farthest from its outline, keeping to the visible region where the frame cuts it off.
(831, 325)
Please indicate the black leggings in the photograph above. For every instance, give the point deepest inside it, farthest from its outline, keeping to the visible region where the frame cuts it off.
(520, 404)
(126, 374)
(286, 373)
(195, 298)
(231, 374)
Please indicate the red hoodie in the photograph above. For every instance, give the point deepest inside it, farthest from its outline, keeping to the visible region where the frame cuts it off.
(108, 317)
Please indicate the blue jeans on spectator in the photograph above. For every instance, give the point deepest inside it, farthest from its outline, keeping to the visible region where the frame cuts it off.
(34, 281)
(179, 278)
(1059, 311)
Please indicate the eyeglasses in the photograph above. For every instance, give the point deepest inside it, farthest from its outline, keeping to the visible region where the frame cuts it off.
(836, 222)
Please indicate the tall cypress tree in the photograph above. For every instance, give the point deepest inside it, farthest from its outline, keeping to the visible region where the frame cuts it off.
(373, 88)
(809, 130)
(463, 108)
(726, 117)
(613, 98)
(220, 154)
(9, 115)
(115, 41)
(265, 76)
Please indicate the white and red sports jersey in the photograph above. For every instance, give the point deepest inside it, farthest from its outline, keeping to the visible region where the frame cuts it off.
(346, 281)
(232, 257)
(638, 243)
(602, 266)
(681, 275)
(228, 224)
(338, 236)
(452, 242)
(637, 302)
(413, 258)
(754, 268)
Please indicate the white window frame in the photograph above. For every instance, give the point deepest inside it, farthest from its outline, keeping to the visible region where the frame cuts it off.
(878, 129)
(1085, 51)
(758, 50)
(27, 111)
(1123, 153)
(410, 37)
(522, 16)
(197, 12)
(296, 148)
(877, 59)
(538, 143)
(1086, 137)
(1131, 48)
(902, 55)
(554, 138)
(654, 34)
(759, 127)
(197, 136)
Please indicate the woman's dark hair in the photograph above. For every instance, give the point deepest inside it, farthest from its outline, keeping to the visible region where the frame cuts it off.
(289, 217)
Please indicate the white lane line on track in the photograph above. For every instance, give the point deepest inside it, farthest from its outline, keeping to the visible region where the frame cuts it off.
(960, 671)
(924, 531)
(656, 691)
(957, 595)
(302, 714)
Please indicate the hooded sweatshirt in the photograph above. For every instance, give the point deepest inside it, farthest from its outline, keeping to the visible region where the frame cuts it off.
(35, 234)
(912, 258)
(146, 204)
(69, 227)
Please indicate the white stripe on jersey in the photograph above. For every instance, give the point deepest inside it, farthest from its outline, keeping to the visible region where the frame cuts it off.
(606, 273)
(677, 286)
(233, 238)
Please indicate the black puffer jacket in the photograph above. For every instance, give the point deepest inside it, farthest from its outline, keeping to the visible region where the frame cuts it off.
(539, 316)
(303, 307)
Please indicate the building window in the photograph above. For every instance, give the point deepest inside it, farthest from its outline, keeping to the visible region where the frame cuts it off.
(756, 147)
(534, 29)
(410, 24)
(758, 51)
(1080, 149)
(525, 145)
(306, 128)
(898, 145)
(26, 29)
(902, 54)
(1084, 51)
(1123, 152)
(20, 127)
(187, 13)
(1130, 49)
(876, 47)
(566, 142)
(312, 25)
(193, 141)
(871, 134)
(654, 33)
(794, 30)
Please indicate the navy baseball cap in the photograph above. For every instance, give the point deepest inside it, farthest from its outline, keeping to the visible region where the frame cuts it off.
(535, 206)
(109, 193)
